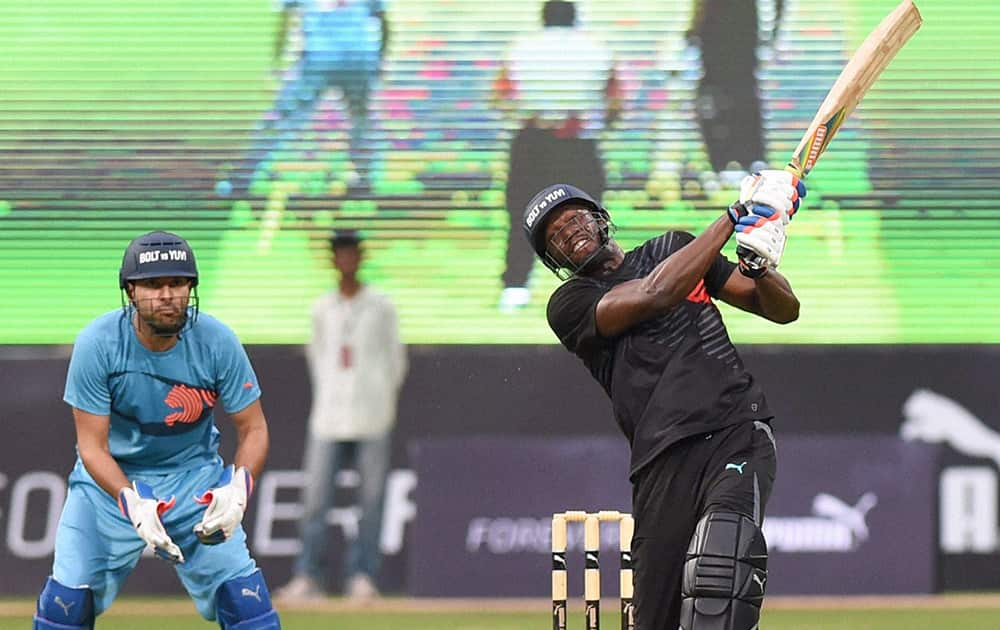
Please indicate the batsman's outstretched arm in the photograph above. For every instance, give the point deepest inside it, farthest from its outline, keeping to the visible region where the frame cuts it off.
(769, 296)
(635, 301)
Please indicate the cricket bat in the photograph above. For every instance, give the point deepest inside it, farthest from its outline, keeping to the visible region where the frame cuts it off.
(855, 79)
(860, 73)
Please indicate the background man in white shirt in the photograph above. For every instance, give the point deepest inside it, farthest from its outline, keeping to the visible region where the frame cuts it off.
(557, 129)
(357, 365)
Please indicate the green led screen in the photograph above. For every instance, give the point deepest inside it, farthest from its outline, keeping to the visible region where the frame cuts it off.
(117, 118)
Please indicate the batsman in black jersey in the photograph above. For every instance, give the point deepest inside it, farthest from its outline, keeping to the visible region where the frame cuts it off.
(702, 452)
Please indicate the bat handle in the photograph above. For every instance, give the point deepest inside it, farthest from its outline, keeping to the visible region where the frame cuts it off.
(795, 169)
(751, 259)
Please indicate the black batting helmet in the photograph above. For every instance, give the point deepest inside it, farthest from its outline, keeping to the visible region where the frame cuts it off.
(547, 201)
(157, 255)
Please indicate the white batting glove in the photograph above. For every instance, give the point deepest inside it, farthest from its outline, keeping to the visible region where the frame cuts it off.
(777, 191)
(140, 505)
(760, 242)
(226, 505)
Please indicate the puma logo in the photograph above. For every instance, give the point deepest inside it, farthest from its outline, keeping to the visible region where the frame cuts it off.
(254, 593)
(65, 606)
(835, 525)
(737, 467)
(851, 516)
(931, 417)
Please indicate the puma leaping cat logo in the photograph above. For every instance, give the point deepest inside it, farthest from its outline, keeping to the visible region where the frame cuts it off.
(254, 593)
(931, 417)
(737, 467)
(851, 516)
(64, 605)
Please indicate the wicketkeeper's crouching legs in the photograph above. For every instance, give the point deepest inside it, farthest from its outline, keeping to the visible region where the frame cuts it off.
(240, 604)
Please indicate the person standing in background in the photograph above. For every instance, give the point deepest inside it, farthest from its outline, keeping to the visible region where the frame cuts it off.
(557, 139)
(357, 365)
(728, 102)
(343, 44)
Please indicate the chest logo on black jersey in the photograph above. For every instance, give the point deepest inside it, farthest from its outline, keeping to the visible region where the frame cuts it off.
(699, 294)
(191, 401)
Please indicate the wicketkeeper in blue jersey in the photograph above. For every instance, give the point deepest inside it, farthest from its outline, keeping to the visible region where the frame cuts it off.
(143, 383)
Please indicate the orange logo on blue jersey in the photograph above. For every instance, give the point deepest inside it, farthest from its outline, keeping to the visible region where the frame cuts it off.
(192, 401)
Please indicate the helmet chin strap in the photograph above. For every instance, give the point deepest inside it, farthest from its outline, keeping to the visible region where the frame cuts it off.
(595, 260)
(599, 257)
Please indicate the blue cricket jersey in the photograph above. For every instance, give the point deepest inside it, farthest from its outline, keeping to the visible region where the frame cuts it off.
(160, 403)
(343, 30)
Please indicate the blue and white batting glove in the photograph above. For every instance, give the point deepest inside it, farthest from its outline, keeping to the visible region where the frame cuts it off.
(772, 191)
(139, 505)
(226, 504)
(760, 242)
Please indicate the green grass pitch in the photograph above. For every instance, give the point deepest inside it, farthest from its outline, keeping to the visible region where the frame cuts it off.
(905, 614)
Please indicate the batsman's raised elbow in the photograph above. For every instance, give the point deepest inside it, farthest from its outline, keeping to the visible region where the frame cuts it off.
(787, 315)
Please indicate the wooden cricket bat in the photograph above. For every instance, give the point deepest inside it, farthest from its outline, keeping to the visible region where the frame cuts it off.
(855, 79)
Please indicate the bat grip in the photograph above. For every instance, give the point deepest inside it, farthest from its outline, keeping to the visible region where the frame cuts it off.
(750, 258)
(795, 169)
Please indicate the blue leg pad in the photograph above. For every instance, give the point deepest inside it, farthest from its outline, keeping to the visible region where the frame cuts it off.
(245, 604)
(64, 608)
